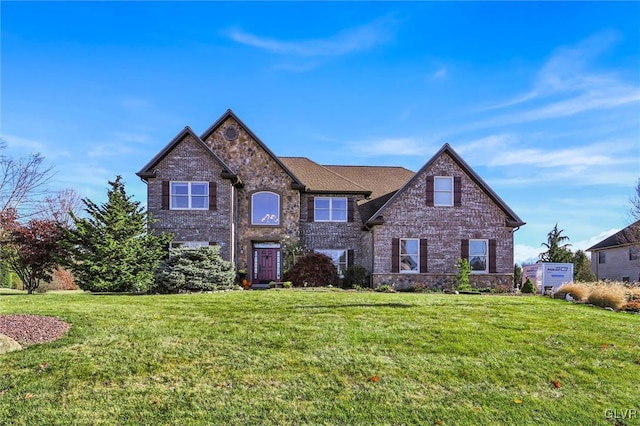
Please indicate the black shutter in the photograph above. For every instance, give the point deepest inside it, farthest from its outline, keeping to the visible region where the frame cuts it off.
(492, 256)
(350, 209)
(395, 255)
(457, 191)
(423, 256)
(213, 196)
(464, 251)
(349, 257)
(429, 191)
(165, 195)
(310, 209)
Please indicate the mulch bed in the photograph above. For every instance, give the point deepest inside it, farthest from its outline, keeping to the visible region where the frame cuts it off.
(32, 329)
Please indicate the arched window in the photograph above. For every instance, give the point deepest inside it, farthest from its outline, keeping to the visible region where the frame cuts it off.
(265, 208)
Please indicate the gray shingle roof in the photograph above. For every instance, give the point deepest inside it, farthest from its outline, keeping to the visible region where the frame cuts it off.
(628, 235)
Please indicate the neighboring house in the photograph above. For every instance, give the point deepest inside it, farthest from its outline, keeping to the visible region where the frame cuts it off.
(617, 258)
(226, 187)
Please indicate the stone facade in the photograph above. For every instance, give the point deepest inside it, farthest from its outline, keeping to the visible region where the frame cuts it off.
(188, 161)
(444, 228)
(258, 171)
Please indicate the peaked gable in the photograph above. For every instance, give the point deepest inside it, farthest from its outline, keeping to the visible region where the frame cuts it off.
(148, 171)
(626, 236)
(296, 183)
(512, 218)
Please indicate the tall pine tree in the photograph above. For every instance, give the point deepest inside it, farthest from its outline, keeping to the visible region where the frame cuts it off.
(111, 249)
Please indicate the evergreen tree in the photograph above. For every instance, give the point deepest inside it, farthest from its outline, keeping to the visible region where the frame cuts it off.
(111, 249)
(557, 252)
(582, 267)
(517, 276)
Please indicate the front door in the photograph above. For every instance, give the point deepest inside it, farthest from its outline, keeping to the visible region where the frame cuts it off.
(266, 265)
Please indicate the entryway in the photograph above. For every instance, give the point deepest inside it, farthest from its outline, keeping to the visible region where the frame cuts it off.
(266, 262)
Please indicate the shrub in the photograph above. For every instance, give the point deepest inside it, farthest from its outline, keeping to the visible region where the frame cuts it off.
(383, 288)
(577, 291)
(194, 269)
(462, 276)
(529, 287)
(313, 270)
(61, 279)
(355, 275)
(608, 296)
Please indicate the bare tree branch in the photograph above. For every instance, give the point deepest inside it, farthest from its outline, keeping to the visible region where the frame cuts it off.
(22, 180)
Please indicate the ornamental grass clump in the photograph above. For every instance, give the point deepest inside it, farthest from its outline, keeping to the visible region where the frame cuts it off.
(608, 296)
(578, 291)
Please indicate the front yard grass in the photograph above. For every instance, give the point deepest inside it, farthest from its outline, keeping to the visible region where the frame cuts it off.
(313, 357)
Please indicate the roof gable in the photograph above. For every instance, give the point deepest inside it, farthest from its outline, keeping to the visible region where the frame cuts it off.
(512, 218)
(148, 171)
(626, 236)
(297, 184)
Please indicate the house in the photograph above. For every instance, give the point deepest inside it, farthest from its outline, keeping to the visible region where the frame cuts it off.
(226, 187)
(617, 258)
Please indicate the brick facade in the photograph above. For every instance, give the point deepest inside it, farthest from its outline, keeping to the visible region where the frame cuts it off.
(188, 161)
(240, 165)
(408, 216)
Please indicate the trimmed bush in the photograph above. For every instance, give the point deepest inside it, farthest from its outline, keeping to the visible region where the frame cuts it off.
(313, 270)
(529, 287)
(355, 275)
(194, 269)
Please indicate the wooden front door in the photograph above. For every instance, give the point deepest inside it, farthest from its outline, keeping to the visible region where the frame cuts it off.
(266, 265)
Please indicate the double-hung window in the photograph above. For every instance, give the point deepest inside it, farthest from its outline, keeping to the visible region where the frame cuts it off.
(409, 255)
(189, 195)
(479, 255)
(602, 257)
(330, 209)
(339, 258)
(634, 253)
(443, 191)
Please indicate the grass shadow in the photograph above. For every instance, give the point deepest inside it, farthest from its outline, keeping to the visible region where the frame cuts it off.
(357, 305)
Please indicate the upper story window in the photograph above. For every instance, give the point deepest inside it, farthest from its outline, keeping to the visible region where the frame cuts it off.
(265, 208)
(443, 191)
(602, 257)
(189, 195)
(330, 209)
(478, 255)
(634, 253)
(409, 255)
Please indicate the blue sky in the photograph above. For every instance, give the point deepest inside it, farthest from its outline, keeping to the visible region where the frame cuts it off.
(541, 99)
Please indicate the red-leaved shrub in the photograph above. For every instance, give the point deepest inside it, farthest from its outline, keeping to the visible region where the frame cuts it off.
(313, 270)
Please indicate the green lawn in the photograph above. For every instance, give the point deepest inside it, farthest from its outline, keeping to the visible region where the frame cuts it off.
(313, 357)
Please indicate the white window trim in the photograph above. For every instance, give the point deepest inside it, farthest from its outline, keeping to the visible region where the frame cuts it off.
(188, 195)
(253, 205)
(435, 191)
(331, 199)
(486, 263)
(416, 258)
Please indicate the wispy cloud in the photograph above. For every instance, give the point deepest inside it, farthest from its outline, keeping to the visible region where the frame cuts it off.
(568, 84)
(19, 146)
(389, 147)
(349, 40)
(440, 74)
